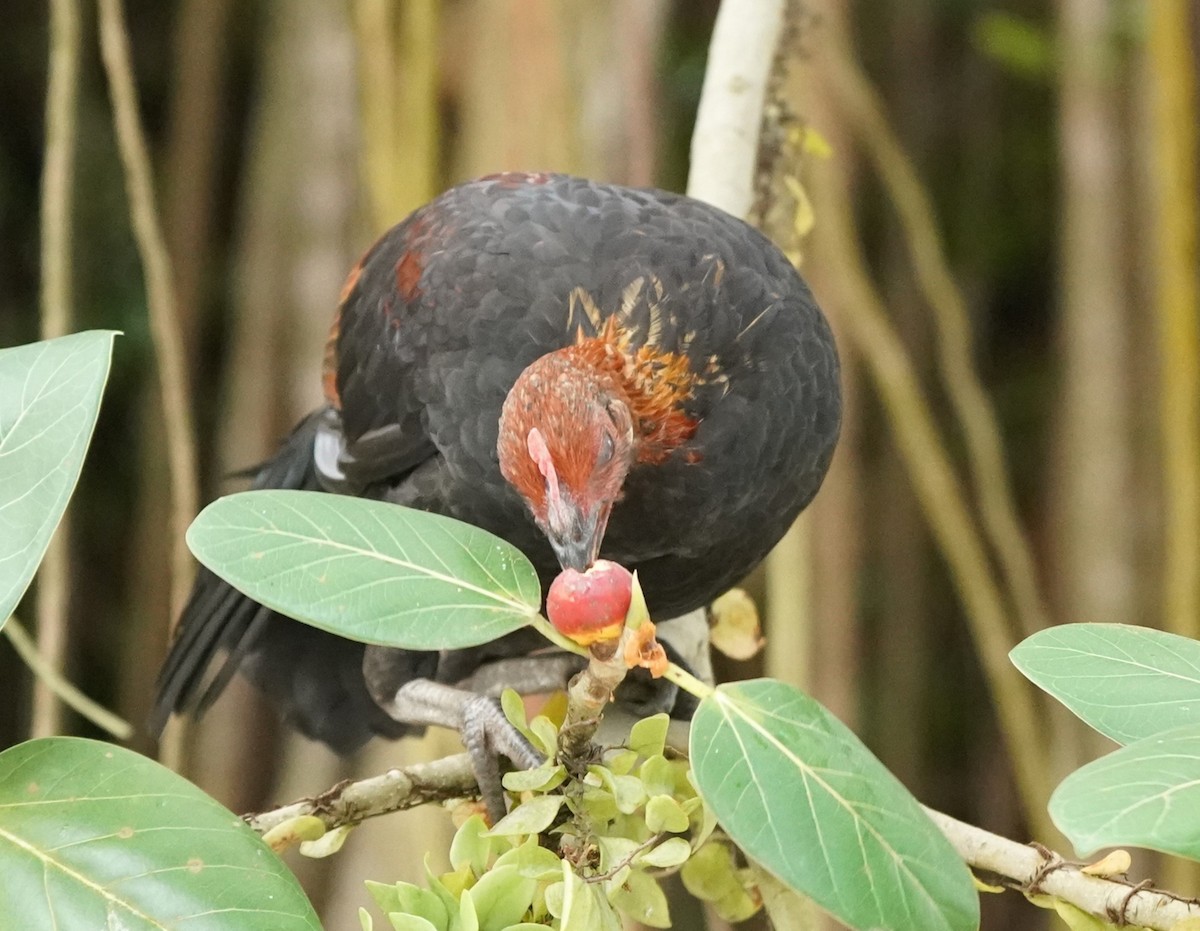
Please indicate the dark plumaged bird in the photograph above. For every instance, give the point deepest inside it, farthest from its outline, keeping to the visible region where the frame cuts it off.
(581, 368)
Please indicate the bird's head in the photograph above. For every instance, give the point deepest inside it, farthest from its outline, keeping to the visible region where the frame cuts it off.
(566, 444)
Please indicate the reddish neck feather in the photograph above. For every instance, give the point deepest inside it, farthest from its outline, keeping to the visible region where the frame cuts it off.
(656, 383)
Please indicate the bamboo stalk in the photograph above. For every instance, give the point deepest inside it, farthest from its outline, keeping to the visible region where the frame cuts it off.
(990, 480)
(1173, 108)
(938, 489)
(160, 292)
(58, 184)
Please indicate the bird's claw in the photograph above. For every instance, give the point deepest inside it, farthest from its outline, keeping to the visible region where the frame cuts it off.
(485, 731)
(488, 734)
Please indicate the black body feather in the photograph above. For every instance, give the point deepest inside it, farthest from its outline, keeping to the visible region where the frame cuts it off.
(439, 319)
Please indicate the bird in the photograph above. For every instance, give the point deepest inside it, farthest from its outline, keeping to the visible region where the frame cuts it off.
(581, 368)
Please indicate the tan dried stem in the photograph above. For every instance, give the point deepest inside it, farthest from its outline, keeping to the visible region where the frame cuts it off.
(63, 690)
(164, 322)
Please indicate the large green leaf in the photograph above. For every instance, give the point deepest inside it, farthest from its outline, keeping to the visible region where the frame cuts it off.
(93, 836)
(1127, 682)
(801, 795)
(49, 398)
(1144, 795)
(368, 570)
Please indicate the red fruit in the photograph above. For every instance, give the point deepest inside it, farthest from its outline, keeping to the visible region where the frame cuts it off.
(590, 606)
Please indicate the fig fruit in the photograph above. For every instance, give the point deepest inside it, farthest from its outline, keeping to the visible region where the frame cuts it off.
(590, 606)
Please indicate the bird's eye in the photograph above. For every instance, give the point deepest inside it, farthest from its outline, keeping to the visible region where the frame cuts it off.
(607, 447)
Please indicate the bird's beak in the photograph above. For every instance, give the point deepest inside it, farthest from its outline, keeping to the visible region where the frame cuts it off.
(577, 533)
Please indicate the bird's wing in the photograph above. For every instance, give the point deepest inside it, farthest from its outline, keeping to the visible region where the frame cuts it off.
(374, 430)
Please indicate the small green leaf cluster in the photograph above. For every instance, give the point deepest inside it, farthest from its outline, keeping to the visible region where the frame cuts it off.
(494, 884)
(580, 847)
(1140, 688)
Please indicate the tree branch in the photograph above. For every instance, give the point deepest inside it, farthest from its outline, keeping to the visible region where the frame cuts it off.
(729, 120)
(588, 694)
(1034, 871)
(1031, 870)
(349, 803)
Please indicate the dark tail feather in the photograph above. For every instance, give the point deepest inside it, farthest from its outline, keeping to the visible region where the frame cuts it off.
(314, 677)
(219, 618)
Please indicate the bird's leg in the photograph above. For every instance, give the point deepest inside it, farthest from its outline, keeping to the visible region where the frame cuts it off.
(485, 731)
(528, 675)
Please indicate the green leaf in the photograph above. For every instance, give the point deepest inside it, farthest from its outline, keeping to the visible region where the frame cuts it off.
(543, 735)
(386, 895)
(96, 836)
(468, 919)
(620, 762)
(1144, 795)
(658, 776)
(596, 804)
(648, 736)
(800, 793)
(584, 906)
(642, 899)
(404, 922)
(438, 888)
(502, 897)
(1126, 682)
(532, 860)
(545, 778)
(294, 831)
(530, 817)
(328, 843)
(1076, 919)
(615, 850)
(513, 706)
(471, 846)
(670, 853)
(556, 894)
(739, 905)
(710, 873)
(49, 398)
(627, 791)
(663, 813)
(368, 570)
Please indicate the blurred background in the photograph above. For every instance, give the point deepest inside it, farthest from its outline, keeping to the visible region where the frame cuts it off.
(1052, 146)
